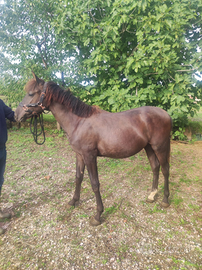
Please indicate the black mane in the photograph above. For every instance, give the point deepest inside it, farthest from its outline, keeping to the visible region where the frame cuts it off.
(66, 98)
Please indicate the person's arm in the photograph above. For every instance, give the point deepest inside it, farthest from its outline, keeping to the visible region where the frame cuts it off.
(9, 114)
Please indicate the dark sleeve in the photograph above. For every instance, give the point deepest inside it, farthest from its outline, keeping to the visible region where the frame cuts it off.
(9, 114)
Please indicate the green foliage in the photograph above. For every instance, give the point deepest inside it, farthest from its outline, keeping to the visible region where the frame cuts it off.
(196, 127)
(28, 42)
(124, 54)
(11, 90)
(136, 52)
(179, 134)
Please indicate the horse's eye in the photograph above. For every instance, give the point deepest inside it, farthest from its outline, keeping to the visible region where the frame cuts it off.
(31, 94)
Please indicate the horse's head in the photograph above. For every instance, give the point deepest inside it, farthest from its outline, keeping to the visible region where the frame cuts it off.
(30, 104)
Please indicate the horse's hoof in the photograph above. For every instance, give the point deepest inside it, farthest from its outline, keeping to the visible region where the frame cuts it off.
(165, 205)
(149, 200)
(94, 222)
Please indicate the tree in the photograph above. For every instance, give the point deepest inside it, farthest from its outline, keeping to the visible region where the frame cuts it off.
(28, 42)
(126, 53)
(137, 53)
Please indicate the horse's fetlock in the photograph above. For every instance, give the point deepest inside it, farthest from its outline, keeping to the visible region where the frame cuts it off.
(152, 194)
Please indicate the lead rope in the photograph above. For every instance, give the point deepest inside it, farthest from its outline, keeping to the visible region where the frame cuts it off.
(34, 128)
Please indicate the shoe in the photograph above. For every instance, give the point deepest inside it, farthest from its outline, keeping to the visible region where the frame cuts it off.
(2, 231)
(4, 215)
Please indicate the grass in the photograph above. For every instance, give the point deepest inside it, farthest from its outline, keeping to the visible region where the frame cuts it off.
(49, 118)
(157, 209)
(111, 210)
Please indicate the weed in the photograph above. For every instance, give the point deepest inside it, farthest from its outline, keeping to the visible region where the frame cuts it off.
(121, 250)
(113, 163)
(7, 265)
(125, 216)
(182, 222)
(197, 179)
(156, 209)
(177, 201)
(82, 215)
(104, 261)
(185, 180)
(194, 207)
(111, 210)
(18, 213)
(139, 157)
(22, 258)
(185, 262)
(179, 134)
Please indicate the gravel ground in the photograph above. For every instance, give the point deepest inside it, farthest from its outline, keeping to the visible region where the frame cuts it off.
(44, 234)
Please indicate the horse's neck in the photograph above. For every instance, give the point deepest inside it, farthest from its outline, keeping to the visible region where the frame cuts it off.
(67, 120)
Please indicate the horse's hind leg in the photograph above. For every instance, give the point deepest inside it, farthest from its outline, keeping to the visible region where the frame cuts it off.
(163, 156)
(155, 166)
(80, 166)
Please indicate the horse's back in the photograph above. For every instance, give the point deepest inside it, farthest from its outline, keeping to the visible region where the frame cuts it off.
(152, 119)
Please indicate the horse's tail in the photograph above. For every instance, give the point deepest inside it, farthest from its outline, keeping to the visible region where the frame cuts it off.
(171, 134)
(171, 128)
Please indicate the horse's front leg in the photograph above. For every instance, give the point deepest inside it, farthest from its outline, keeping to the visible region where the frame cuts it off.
(80, 166)
(91, 163)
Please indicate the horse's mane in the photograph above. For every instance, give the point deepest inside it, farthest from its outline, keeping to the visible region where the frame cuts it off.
(66, 98)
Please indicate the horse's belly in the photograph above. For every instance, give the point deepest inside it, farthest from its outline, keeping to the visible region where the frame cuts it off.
(120, 150)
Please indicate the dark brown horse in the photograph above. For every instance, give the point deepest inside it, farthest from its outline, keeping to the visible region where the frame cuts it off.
(93, 132)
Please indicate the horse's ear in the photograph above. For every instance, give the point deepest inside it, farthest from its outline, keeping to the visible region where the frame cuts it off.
(36, 78)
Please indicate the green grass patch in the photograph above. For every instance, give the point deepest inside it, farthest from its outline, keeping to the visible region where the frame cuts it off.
(156, 209)
(111, 210)
(177, 201)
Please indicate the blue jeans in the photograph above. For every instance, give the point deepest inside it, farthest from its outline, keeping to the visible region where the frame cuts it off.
(2, 165)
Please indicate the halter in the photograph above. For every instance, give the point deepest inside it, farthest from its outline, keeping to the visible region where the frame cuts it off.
(35, 116)
(38, 104)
